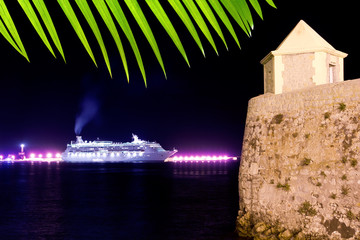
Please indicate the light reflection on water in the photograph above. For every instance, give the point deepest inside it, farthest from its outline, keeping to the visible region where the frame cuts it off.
(201, 169)
(118, 201)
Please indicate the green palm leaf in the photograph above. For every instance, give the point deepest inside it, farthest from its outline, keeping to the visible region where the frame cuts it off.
(41, 8)
(116, 10)
(144, 25)
(29, 11)
(243, 10)
(70, 14)
(222, 15)
(165, 22)
(180, 10)
(106, 16)
(257, 7)
(205, 8)
(85, 9)
(234, 13)
(5, 15)
(190, 5)
(271, 3)
(203, 12)
(7, 36)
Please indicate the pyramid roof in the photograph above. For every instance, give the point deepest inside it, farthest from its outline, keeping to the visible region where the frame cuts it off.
(303, 39)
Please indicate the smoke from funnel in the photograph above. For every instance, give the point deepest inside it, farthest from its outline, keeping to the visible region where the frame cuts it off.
(89, 108)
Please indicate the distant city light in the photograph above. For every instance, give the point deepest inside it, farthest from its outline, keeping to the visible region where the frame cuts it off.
(33, 157)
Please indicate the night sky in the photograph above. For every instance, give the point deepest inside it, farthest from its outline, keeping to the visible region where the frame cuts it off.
(200, 109)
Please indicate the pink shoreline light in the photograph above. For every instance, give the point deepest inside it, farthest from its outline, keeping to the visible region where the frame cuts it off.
(198, 158)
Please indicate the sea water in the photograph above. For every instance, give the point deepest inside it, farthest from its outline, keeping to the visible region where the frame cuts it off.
(118, 201)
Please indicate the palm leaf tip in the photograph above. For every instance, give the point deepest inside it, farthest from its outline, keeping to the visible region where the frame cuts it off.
(44, 13)
(30, 13)
(71, 16)
(106, 16)
(160, 14)
(121, 19)
(257, 8)
(271, 3)
(221, 13)
(11, 29)
(205, 8)
(86, 11)
(181, 12)
(196, 15)
(138, 14)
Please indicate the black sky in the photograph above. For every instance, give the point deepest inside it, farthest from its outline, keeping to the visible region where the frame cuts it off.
(199, 109)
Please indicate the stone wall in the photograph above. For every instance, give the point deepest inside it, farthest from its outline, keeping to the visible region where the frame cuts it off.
(298, 72)
(299, 173)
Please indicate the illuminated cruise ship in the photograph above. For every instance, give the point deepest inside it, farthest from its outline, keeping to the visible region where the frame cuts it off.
(107, 151)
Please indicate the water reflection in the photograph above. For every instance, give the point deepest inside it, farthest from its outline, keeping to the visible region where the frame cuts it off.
(118, 201)
(200, 169)
(31, 201)
(43, 208)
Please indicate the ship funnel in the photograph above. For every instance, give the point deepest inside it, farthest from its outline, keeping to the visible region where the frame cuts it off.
(79, 139)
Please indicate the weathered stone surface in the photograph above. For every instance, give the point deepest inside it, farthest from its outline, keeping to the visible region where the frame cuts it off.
(260, 227)
(340, 227)
(300, 236)
(286, 235)
(303, 147)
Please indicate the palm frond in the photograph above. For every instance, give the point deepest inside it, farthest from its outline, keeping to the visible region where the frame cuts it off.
(44, 13)
(205, 8)
(119, 15)
(195, 15)
(106, 16)
(86, 11)
(7, 36)
(257, 7)
(166, 23)
(222, 15)
(181, 12)
(230, 7)
(244, 11)
(70, 14)
(5, 16)
(30, 13)
(138, 14)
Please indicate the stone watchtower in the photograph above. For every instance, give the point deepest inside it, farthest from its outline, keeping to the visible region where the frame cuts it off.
(302, 60)
(299, 170)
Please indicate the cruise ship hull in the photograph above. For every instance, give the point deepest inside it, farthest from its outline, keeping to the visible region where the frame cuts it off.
(146, 157)
(108, 151)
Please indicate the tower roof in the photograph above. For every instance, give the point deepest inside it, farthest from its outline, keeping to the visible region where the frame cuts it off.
(303, 39)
